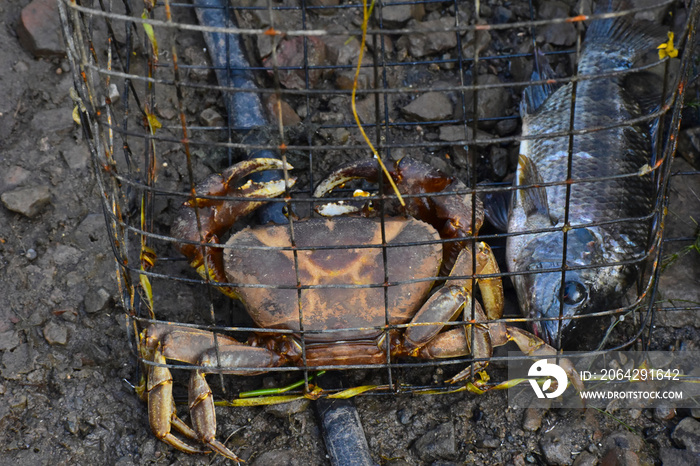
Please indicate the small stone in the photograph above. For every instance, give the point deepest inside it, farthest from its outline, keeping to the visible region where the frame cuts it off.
(97, 300)
(273, 105)
(664, 413)
(77, 157)
(199, 65)
(620, 457)
(689, 145)
(438, 443)
(293, 52)
(114, 95)
(55, 333)
(30, 254)
(278, 457)
(624, 440)
(687, 434)
(39, 29)
(395, 16)
(21, 67)
(506, 127)
(18, 402)
(404, 416)
(13, 177)
(58, 121)
(421, 44)
(27, 201)
(328, 4)
(585, 458)
(490, 443)
(72, 423)
(17, 362)
(532, 419)
(673, 456)
(90, 230)
(431, 106)
(284, 410)
(212, 118)
(498, 157)
(9, 340)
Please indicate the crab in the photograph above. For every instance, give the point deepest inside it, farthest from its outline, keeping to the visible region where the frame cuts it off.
(324, 291)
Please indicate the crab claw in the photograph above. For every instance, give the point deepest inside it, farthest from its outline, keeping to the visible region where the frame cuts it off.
(204, 219)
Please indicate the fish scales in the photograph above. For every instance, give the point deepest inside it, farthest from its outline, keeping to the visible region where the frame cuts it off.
(619, 149)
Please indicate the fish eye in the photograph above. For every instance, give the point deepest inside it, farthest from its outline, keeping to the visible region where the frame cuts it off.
(574, 293)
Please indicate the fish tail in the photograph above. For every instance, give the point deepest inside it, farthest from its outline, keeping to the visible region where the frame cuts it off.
(617, 43)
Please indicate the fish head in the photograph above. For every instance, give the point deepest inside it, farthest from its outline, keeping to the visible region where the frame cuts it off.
(553, 295)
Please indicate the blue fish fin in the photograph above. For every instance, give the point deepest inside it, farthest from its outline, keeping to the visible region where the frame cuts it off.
(535, 95)
(496, 205)
(533, 199)
(617, 43)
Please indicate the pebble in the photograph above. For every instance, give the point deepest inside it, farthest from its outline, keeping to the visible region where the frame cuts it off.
(562, 34)
(197, 59)
(27, 201)
(55, 333)
(290, 53)
(77, 157)
(13, 177)
(395, 16)
(620, 457)
(284, 410)
(585, 458)
(689, 145)
(532, 419)
(90, 230)
(506, 127)
(438, 443)
(9, 340)
(97, 300)
(673, 456)
(21, 67)
(341, 48)
(492, 102)
(30, 254)
(624, 440)
(664, 413)
(421, 44)
(289, 116)
(39, 29)
(278, 458)
(498, 157)
(687, 434)
(56, 120)
(17, 362)
(430, 106)
(212, 118)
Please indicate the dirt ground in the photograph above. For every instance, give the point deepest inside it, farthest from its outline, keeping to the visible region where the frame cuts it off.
(68, 365)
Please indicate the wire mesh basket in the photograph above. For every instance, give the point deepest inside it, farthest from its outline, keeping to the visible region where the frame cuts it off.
(169, 93)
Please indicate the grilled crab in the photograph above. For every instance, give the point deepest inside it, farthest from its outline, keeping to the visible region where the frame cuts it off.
(347, 319)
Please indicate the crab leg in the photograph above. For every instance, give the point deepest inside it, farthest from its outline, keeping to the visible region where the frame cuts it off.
(216, 216)
(162, 342)
(491, 288)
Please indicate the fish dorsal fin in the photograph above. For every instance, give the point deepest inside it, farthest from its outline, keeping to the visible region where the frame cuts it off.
(533, 198)
(535, 95)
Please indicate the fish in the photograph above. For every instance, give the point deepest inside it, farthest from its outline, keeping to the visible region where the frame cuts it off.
(605, 233)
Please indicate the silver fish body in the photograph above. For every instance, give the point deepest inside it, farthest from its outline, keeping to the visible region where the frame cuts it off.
(602, 254)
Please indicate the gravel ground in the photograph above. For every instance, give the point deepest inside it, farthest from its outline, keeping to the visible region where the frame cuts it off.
(67, 366)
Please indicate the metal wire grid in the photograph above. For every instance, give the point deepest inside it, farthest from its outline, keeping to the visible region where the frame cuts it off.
(145, 171)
